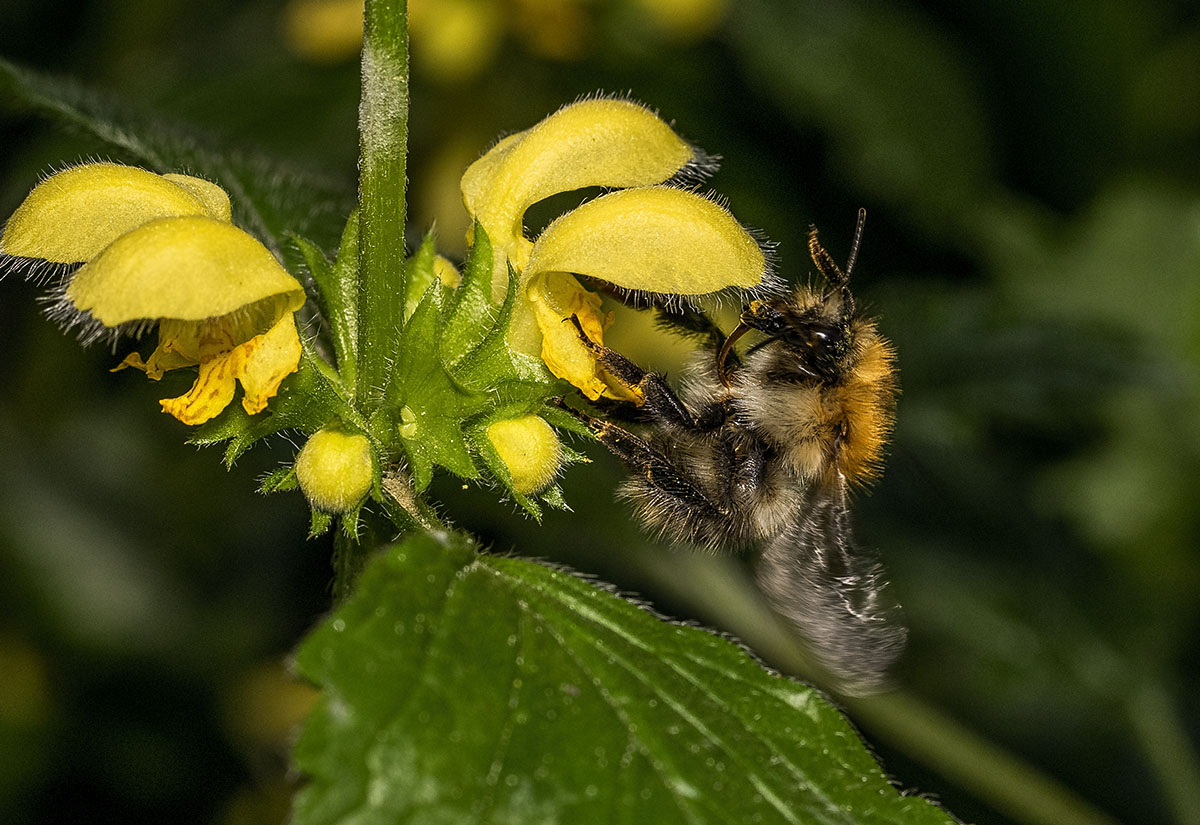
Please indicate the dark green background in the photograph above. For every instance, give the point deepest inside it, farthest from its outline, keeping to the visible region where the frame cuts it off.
(1032, 177)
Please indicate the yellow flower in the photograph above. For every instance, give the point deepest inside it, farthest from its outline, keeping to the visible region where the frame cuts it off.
(159, 249)
(645, 237)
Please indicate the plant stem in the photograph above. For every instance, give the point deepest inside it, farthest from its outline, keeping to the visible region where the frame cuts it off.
(349, 558)
(1160, 731)
(383, 137)
(989, 772)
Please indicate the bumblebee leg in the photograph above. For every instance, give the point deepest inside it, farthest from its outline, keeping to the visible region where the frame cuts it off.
(654, 470)
(660, 400)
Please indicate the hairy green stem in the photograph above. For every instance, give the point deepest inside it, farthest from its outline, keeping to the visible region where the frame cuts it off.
(383, 137)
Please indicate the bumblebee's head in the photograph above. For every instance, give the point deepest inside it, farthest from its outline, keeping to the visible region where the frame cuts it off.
(815, 329)
(815, 334)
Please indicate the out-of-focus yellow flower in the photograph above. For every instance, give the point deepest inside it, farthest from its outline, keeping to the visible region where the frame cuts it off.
(335, 470)
(645, 237)
(529, 448)
(455, 40)
(685, 19)
(554, 29)
(159, 249)
(324, 31)
(452, 40)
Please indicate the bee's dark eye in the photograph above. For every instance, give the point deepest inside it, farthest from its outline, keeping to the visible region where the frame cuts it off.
(817, 337)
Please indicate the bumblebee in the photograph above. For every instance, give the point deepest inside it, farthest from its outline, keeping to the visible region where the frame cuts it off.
(760, 454)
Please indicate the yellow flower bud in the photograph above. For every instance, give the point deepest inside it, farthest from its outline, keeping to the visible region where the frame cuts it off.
(71, 216)
(335, 470)
(530, 450)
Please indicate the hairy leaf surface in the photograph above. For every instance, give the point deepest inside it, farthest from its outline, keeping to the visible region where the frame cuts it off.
(461, 687)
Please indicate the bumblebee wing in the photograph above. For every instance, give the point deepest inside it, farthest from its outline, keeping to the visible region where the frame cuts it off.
(832, 592)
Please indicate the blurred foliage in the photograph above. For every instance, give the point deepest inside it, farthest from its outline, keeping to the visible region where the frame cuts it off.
(1032, 177)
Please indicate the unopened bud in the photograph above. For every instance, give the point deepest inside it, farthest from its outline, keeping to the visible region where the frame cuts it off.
(335, 470)
(530, 450)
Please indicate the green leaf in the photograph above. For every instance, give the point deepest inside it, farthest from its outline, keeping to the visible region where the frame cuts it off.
(460, 687)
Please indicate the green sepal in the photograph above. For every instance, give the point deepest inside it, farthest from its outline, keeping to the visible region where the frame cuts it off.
(319, 524)
(337, 288)
(469, 314)
(552, 497)
(561, 419)
(350, 522)
(490, 363)
(421, 273)
(432, 405)
(279, 480)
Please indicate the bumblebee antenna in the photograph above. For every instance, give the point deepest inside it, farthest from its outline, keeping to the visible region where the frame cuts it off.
(832, 273)
(858, 231)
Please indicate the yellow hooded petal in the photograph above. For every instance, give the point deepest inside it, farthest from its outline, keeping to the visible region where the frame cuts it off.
(599, 142)
(71, 216)
(189, 268)
(656, 239)
(214, 198)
